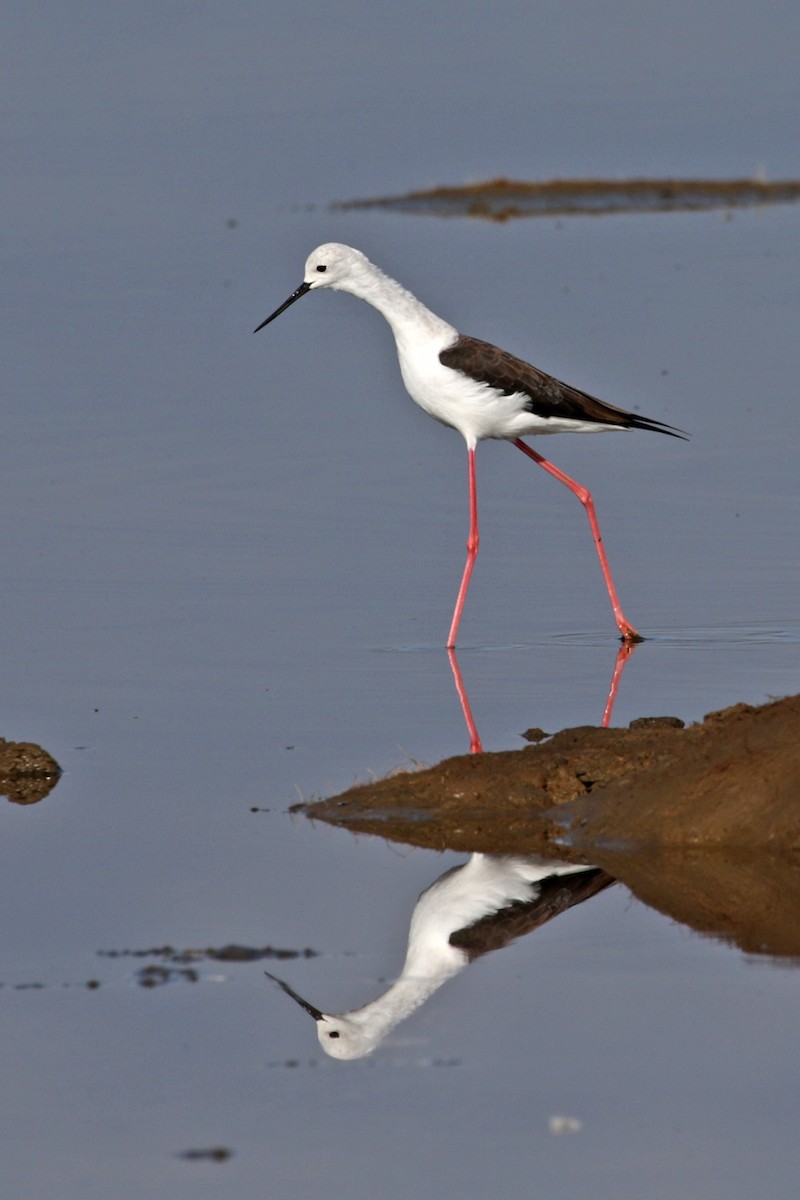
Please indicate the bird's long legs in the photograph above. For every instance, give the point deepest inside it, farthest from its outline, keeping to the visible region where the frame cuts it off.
(627, 632)
(473, 541)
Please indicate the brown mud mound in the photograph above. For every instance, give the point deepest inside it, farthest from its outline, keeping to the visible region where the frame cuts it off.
(732, 780)
(27, 772)
(735, 782)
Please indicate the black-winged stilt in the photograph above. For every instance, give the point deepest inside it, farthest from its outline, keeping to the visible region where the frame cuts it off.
(476, 388)
(482, 905)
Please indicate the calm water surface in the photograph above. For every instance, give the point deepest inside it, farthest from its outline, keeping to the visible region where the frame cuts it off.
(230, 564)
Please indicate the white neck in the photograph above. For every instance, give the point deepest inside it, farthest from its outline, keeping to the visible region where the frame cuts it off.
(422, 975)
(404, 312)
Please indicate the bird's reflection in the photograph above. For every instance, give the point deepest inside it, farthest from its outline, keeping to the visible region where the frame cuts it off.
(475, 746)
(479, 906)
(624, 652)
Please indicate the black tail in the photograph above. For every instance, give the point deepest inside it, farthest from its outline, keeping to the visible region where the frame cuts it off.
(637, 422)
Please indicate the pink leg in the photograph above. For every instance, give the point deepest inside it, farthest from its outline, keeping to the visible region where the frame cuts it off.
(475, 746)
(623, 654)
(627, 632)
(473, 541)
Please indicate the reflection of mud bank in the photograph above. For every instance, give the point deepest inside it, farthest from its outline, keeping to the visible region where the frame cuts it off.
(27, 772)
(749, 899)
(732, 781)
(503, 199)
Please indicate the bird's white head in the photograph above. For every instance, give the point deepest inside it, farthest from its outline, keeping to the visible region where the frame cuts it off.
(330, 266)
(334, 266)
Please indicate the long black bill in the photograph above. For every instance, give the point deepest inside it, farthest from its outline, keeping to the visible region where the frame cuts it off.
(315, 1013)
(301, 291)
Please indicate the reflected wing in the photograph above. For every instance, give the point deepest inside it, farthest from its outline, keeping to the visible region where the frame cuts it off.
(552, 896)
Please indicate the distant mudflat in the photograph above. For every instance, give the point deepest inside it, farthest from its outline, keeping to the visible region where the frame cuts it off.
(503, 199)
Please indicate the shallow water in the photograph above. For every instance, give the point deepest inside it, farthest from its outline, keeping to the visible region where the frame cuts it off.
(230, 564)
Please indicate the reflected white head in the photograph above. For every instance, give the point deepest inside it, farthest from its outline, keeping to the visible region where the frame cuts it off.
(340, 1036)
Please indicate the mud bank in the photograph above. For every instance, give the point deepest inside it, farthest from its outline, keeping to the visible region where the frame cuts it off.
(731, 781)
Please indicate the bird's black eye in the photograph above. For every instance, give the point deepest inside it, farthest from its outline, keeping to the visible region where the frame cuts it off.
(334, 1034)
(322, 268)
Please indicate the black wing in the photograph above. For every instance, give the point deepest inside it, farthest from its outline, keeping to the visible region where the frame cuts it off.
(547, 397)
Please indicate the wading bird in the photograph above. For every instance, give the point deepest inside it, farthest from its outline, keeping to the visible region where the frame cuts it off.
(475, 388)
